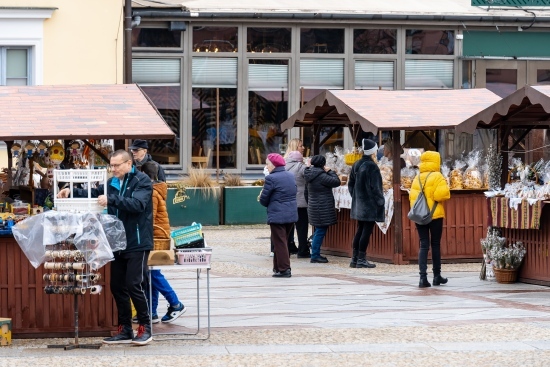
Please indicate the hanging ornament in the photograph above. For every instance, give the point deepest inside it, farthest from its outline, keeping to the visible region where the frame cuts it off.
(15, 149)
(30, 148)
(42, 148)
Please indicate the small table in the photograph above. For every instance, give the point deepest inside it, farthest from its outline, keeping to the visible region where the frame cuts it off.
(198, 269)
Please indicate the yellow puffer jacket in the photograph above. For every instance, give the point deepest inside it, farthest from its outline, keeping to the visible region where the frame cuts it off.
(160, 214)
(435, 188)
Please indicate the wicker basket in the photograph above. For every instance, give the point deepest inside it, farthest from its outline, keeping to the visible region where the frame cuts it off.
(161, 243)
(506, 276)
(353, 156)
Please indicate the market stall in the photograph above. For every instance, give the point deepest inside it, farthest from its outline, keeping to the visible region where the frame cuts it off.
(521, 209)
(37, 118)
(373, 111)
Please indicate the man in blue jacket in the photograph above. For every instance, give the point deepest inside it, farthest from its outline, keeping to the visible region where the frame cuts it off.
(129, 197)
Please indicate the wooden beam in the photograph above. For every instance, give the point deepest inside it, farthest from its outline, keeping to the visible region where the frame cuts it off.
(329, 135)
(522, 136)
(397, 205)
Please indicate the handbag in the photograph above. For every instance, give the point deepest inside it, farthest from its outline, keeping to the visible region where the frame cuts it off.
(420, 213)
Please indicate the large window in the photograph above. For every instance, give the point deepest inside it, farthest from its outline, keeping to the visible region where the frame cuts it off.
(160, 80)
(214, 112)
(14, 66)
(156, 37)
(502, 81)
(543, 77)
(321, 41)
(374, 74)
(267, 107)
(374, 41)
(268, 40)
(428, 74)
(430, 42)
(215, 39)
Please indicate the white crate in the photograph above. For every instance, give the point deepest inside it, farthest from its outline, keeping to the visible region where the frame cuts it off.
(196, 256)
(89, 177)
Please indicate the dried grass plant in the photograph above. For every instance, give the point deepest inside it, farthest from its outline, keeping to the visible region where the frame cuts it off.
(232, 180)
(199, 178)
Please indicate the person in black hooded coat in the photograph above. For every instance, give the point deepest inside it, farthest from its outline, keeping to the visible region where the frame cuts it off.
(320, 202)
(367, 202)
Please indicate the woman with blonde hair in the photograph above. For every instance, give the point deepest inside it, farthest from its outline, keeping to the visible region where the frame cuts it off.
(294, 145)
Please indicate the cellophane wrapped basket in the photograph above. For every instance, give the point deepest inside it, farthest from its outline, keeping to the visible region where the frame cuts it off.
(353, 156)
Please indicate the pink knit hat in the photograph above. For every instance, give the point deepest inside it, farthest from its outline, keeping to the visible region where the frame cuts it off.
(276, 159)
(295, 156)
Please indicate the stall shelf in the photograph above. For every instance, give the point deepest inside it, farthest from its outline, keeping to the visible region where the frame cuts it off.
(65, 112)
(376, 110)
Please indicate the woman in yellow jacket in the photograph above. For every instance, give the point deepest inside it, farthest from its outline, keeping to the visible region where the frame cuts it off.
(436, 190)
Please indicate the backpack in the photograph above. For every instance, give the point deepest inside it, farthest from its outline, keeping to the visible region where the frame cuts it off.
(420, 213)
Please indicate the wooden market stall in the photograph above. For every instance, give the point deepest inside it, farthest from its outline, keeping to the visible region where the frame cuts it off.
(515, 116)
(373, 111)
(56, 113)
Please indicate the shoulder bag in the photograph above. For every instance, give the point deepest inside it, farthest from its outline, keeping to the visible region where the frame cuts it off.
(420, 213)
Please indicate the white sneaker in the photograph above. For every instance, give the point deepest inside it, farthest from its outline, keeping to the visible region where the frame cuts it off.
(271, 254)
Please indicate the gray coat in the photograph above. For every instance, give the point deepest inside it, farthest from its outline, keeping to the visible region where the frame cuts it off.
(298, 168)
(365, 188)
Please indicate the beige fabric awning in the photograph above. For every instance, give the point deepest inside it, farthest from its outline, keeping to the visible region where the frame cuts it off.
(120, 111)
(393, 110)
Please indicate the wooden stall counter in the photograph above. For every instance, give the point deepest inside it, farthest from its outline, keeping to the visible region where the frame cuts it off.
(530, 224)
(464, 225)
(35, 314)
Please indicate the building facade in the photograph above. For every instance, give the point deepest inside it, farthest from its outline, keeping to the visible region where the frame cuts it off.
(224, 79)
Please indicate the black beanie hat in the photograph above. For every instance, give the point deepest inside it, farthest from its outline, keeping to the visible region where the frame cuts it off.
(368, 144)
(318, 161)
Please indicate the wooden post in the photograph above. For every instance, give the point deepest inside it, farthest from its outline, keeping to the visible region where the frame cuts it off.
(397, 207)
(9, 184)
(503, 140)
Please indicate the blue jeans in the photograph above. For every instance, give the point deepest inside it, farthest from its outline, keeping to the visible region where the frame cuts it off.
(317, 241)
(160, 284)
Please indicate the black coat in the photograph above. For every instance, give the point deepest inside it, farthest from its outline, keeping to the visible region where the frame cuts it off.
(132, 203)
(320, 200)
(365, 188)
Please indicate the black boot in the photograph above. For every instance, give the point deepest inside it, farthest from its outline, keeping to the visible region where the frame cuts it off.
(124, 335)
(424, 282)
(143, 336)
(353, 263)
(362, 261)
(438, 280)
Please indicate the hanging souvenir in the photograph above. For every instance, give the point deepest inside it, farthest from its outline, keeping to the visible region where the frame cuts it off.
(15, 149)
(56, 154)
(42, 148)
(30, 148)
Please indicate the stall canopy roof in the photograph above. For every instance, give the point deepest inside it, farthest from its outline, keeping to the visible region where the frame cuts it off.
(119, 111)
(528, 107)
(393, 110)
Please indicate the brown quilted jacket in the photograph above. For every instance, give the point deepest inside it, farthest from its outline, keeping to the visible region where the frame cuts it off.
(160, 214)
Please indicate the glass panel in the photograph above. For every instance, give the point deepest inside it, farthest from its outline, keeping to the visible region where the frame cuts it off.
(16, 64)
(374, 41)
(337, 139)
(215, 39)
(268, 40)
(167, 99)
(321, 41)
(214, 72)
(322, 73)
(156, 71)
(428, 74)
(267, 108)
(155, 37)
(206, 102)
(374, 74)
(430, 42)
(502, 82)
(543, 77)
(467, 74)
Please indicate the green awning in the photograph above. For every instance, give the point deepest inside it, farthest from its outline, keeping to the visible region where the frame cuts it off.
(508, 44)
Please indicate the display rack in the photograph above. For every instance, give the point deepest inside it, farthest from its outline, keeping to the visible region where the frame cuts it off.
(87, 178)
(70, 274)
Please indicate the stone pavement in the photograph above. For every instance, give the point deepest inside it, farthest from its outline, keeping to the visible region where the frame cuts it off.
(327, 315)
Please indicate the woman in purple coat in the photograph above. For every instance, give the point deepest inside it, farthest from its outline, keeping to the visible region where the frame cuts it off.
(279, 196)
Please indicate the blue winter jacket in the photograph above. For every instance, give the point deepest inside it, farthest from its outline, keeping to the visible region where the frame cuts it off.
(131, 201)
(279, 196)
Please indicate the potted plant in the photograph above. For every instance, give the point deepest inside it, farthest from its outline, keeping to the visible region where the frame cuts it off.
(506, 261)
(195, 198)
(240, 204)
(493, 240)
